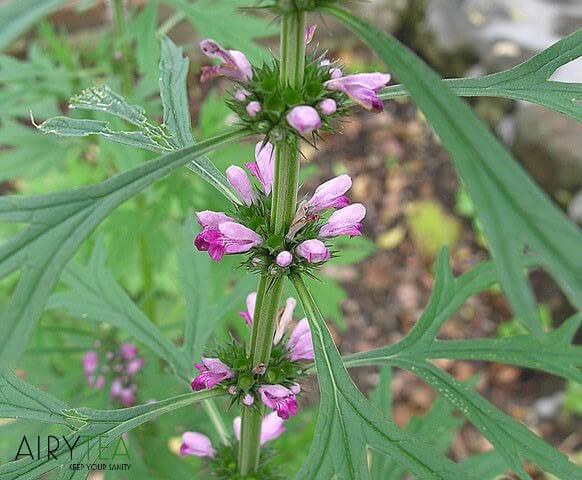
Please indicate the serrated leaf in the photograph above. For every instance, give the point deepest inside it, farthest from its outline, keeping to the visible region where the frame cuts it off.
(174, 93)
(348, 424)
(528, 81)
(513, 210)
(513, 441)
(553, 352)
(73, 127)
(19, 15)
(58, 223)
(95, 295)
(93, 431)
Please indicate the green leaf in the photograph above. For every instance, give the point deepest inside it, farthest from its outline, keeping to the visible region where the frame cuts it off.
(19, 399)
(528, 81)
(94, 429)
(486, 466)
(348, 423)
(19, 15)
(513, 441)
(95, 295)
(174, 93)
(58, 224)
(513, 210)
(73, 127)
(553, 352)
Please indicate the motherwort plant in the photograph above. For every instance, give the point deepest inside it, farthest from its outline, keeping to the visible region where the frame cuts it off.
(281, 234)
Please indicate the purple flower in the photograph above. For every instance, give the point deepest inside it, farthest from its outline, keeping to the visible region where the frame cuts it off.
(271, 427)
(362, 88)
(241, 94)
(314, 251)
(253, 108)
(127, 397)
(134, 366)
(240, 182)
(249, 314)
(284, 259)
(300, 345)
(345, 222)
(309, 32)
(213, 371)
(331, 194)
(304, 119)
(233, 64)
(285, 319)
(194, 443)
(90, 362)
(248, 400)
(128, 351)
(327, 106)
(116, 388)
(280, 399)
(229, 238)
(264, 167)
(98, 383)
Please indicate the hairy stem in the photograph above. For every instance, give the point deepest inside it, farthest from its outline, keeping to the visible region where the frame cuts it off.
(282, 212)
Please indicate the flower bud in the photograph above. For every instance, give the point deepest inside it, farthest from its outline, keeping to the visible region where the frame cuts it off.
(304, 119)
(253, 108)
(314, 251)
(284, 259)
(240, 182)
(327, 106)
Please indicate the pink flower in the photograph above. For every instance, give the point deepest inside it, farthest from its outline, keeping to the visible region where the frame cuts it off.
(127, 397)
(284, 259)
(196, 444)
(314, 251)
(226, 239)
(300, 345)
(335, 73)
(280, 399)
(213, 371)
(309, 32)
(285, 319)
(345, 221)
(249, 314)
(271, 427)
(128, 351)
(248, 400)
(327, 106)
(331, 194)
(304, 119)
(209, 219)
(134, 366)
(233, 64)
(264, 167)
(241, 94)
(116, 388)
(240, 182)
(99, 383)
(362, 88)
(253, 108)
(90, 362)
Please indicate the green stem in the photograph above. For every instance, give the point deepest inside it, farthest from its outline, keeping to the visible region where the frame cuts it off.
(282, 212)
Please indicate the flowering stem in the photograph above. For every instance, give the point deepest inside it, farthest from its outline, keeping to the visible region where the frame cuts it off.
(282, 212)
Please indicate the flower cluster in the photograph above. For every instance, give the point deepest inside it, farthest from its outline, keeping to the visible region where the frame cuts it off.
(275, 386)
(282, 111)
(245, 229)
(121, 367)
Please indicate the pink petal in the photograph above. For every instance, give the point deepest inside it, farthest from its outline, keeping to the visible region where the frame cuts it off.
(194, 443)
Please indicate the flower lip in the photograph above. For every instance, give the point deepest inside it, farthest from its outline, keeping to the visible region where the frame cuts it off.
(212, 372)
(280, 399)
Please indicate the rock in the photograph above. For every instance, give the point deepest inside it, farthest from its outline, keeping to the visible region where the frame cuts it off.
(549, 145)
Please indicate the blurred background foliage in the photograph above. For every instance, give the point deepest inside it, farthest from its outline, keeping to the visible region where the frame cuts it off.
(52, 50)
